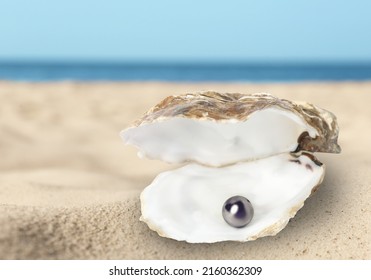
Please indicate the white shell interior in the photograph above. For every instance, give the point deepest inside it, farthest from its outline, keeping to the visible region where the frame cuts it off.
(267, 132)
(186, 203)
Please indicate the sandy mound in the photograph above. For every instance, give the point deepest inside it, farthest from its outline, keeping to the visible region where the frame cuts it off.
(69, 188)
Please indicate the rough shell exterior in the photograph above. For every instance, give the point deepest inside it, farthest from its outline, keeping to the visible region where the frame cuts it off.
(215, 106)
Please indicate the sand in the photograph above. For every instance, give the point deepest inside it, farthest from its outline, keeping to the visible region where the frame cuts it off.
(69, 188)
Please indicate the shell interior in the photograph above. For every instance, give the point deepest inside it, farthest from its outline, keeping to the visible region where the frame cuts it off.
(266, 132)
(186, 203)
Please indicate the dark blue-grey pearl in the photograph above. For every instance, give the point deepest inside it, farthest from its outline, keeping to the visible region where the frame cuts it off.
(238, 211)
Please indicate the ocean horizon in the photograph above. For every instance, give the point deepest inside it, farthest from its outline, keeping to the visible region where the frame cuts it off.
(184, 72)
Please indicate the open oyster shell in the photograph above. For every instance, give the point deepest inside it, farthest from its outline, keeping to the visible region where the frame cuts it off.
(256, 146)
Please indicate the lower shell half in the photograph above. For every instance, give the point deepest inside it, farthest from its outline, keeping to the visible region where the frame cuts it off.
(186, 204)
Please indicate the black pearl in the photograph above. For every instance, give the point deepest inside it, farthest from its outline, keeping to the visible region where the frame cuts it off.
(238, 211)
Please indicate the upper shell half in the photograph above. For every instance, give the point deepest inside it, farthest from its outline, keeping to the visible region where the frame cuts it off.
(217, 129)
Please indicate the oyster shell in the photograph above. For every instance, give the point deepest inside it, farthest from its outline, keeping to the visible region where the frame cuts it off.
(230, 128)
(185, 204)
(256, 146)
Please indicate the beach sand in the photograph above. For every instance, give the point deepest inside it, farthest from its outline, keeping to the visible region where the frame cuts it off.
(69, 187)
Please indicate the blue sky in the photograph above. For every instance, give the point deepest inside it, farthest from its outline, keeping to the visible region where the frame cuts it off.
(203, 30)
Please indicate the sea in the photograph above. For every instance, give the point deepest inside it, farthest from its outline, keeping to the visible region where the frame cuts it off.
(184, 72)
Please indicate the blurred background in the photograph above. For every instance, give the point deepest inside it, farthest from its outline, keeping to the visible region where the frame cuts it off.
(185, 40)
